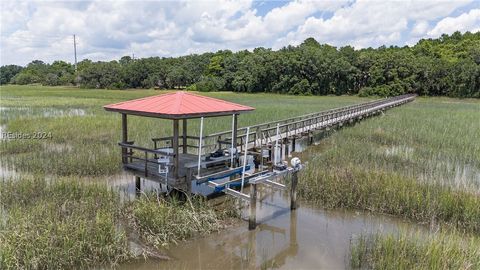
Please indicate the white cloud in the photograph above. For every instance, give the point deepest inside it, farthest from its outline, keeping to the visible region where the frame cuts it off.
(469, 21)
(420, 28)
(109, 29)
(370, 23)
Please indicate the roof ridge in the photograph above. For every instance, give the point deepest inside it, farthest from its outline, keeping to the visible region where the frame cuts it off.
(221, 100)
(138, 99)
(178, 101)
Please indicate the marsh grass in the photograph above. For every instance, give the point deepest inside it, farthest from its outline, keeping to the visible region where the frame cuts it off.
(404, 163)
(390, 193)
(406, 251)
(90, 139)
(59, 224)
(419, 161)
(162, 221)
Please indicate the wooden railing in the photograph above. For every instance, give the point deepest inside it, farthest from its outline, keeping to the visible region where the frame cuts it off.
(131, 152)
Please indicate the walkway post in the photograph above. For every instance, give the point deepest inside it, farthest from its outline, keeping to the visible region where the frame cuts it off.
(252, 220)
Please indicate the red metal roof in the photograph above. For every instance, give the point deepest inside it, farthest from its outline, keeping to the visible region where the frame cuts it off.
(178, 105)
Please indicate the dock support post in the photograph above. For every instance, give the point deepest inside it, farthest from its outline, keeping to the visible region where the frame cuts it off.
(184, 136)
(124, 138)
(234, 138)
(252, 221)
(293, 190)
(293, 144)
(293, 230)
(287, 152)
(138, 185)
(175, 148)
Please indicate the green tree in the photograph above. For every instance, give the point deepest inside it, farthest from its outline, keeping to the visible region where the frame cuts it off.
(8, 72)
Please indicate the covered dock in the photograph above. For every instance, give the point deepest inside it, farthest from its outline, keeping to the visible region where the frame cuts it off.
(172, 160)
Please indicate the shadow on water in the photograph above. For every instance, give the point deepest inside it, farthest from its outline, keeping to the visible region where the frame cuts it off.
(124, 183)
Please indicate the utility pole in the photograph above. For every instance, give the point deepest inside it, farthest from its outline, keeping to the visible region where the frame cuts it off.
(75, 51)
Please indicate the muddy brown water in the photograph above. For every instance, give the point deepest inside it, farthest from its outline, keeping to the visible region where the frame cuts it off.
(307, 238)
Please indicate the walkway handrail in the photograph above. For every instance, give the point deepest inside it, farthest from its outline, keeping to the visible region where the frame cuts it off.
(147, 150)
(313, 115)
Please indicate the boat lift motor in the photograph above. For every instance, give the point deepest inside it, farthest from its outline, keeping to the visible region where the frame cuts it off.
(164, 161)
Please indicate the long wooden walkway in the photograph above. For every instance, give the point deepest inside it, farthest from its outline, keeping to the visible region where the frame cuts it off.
(301, 126)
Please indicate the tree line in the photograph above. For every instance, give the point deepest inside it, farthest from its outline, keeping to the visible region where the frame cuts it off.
(446, 66)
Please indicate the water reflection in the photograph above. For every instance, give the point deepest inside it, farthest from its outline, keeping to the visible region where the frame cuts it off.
(307, 238)
(124, 183)
(7, 171)
(12, 113)
(3, 130)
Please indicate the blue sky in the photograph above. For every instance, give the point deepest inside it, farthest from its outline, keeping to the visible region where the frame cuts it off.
(107, 30)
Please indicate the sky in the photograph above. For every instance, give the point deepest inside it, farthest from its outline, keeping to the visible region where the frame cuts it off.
(108, 30)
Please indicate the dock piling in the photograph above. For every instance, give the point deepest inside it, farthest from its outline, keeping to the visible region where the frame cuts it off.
(138, 185)
(252, 220)
(287, 151)
(293, 190)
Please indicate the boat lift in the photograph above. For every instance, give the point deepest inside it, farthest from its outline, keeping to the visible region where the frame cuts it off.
(268, 177)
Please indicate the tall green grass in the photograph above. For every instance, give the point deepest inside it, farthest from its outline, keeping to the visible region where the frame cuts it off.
(390, 193)
(439, 251)
(58, 225)
(163, 221)
(66, 223)
(420, 161)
